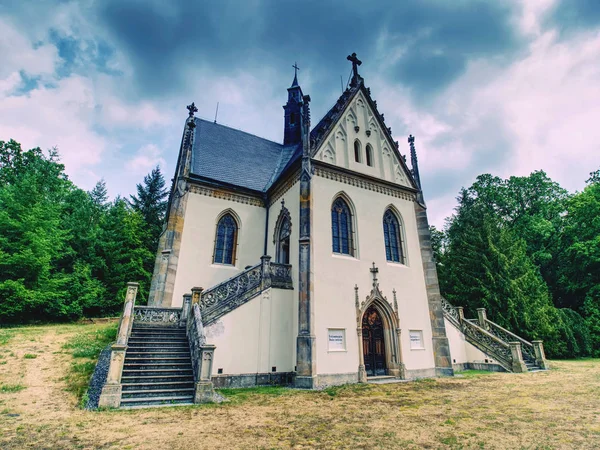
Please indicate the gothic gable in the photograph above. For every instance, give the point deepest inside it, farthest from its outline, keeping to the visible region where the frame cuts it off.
(356, 140)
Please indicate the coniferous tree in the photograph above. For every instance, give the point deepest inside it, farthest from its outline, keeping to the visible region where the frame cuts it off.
(151, 203)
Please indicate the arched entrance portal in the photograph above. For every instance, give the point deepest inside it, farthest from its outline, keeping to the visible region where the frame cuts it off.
(374, 355)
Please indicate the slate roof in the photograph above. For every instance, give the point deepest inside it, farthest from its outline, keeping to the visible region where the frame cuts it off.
(241, 159)
(235, 157)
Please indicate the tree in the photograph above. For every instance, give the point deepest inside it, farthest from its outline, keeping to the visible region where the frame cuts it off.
(151, 203)
(99, 194)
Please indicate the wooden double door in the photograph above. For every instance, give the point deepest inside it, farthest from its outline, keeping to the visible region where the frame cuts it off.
(373, 343)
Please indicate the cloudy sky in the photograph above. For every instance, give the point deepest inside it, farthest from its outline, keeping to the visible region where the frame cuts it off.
(506, 86)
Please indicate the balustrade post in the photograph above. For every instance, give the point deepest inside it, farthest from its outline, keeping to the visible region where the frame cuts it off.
(265, 269)
(196, 294)
(518, 365)
(540, 355)
(204, 392)
(461, 313)
(111, 392)
(482, 318)
(185, 309)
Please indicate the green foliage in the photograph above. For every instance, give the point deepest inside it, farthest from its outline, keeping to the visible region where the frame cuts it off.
(89, 344)
(530, 254)
(11, 388)
(66, 253)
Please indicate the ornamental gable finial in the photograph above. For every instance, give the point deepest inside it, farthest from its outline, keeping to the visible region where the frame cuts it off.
(355, 63)
(192, 109)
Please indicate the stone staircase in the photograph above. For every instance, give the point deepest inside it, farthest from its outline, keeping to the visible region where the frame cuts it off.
(158, 368)
(512, 352)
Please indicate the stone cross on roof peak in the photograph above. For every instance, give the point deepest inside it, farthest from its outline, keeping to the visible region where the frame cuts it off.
(355, 63)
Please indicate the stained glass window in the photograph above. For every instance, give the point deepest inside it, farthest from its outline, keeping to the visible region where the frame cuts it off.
(226, 240)
(392, 235)
(341, 228)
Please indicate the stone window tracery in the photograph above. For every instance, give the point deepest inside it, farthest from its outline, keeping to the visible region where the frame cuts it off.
(392, 234)
(226, 240)
(341, 227)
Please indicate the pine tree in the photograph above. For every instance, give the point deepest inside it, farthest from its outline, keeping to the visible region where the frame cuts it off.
(99, 194)
(151, 203)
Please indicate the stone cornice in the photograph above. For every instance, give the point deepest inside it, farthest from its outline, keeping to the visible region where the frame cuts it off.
(225, 194)
(353, 179)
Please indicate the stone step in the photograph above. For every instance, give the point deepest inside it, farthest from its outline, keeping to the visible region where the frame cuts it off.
(157, 337)
(175, 376)
(152, 357)
(157, 401)
(157, 333)
(165, 348)
(156, 373)
(153, 393)
(157, 366)
(140, 354)
(152, 386)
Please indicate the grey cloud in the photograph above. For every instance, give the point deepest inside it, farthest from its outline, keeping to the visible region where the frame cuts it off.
(569, 15)
(164, 41)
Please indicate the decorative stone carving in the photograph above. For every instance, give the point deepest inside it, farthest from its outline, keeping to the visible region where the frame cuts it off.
(151, 315)
(354, 180)
(281, 276)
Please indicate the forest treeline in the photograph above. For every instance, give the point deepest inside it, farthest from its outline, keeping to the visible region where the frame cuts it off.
(529, 252)
(66, 253)
(523, 248)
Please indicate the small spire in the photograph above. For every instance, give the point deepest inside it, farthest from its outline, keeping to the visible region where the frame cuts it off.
(296, 69)
(413, 160)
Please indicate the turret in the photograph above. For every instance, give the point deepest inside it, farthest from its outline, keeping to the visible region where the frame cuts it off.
(292, 111)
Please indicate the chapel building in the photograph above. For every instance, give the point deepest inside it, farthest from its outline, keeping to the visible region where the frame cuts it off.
(310, 259)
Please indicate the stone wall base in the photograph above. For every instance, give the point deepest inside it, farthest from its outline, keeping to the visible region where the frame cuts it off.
(415, 374)
(110, 396)
(253, 379)
(478, 366)
(335, 379)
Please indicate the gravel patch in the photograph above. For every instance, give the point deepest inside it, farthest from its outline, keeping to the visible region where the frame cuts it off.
(98, 378)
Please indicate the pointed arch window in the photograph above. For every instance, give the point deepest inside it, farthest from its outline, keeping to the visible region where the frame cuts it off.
(283, 242)
(341, 228)
(392, 234)
(369, 155)
(226, 240)
(357, 156)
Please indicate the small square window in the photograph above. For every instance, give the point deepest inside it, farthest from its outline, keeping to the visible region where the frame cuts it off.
(416, 339)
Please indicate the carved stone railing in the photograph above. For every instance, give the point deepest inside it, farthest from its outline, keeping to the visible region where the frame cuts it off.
(486, 341)
(202, 353)
(149, 315)
(450, 312)
(281, 276)
(510, 350)
(507, 336)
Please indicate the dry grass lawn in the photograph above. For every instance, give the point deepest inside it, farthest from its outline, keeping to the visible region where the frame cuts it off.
(545, 410)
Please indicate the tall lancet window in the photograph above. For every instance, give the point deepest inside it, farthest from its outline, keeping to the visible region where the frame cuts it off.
(341, 228)
(357, 156)
(392, 234)
(226, 240)
(369, 155)
(283, 242)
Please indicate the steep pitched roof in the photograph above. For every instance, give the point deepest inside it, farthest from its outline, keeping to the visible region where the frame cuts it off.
(238, 158)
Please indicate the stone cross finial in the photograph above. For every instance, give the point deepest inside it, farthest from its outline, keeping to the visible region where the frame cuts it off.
(192, 109)
(355, 63)
(411, 140)
(374, 272)
(296, 69)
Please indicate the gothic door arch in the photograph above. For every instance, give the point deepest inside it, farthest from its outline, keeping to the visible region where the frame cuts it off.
(373, 336)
